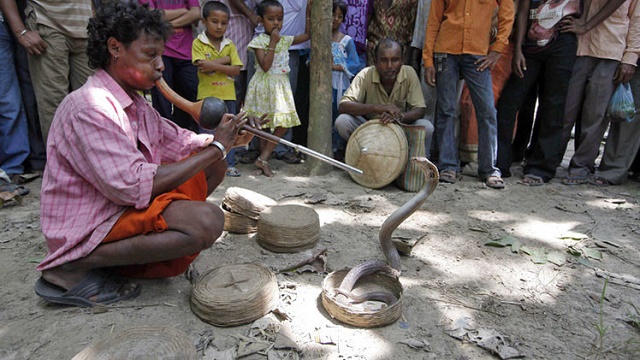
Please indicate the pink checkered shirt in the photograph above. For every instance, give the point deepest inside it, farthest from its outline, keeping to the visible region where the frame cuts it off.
(103, 151)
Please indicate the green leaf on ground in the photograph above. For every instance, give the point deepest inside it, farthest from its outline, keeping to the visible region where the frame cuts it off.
(556, 257)
(36, 260)
(507, 240)
(592, 253)
(538, 256)
(573, 251)
(572, 235)
(586, 262)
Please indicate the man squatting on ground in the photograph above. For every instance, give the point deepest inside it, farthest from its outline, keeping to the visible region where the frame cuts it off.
(124, 189)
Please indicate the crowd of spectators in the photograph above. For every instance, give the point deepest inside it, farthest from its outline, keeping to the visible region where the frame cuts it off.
(536, 74)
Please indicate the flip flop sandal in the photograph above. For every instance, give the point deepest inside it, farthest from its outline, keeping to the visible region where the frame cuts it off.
(494, 182)
(233, 172)
(598, 181)
(98, 282)
(532, 180)
(448, 176)
(14, 189)
(574, 180)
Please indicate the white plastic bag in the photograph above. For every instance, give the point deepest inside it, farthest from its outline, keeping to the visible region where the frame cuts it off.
(621, 106)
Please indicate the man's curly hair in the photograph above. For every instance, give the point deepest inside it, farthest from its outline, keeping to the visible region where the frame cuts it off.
(125, 22)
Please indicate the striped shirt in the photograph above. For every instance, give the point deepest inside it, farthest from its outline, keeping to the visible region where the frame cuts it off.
(69, 17)
(240, 30)
(295, 20)
(103, 152)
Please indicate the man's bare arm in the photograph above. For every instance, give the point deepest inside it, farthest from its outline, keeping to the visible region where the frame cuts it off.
(579, 26)
(30, 40)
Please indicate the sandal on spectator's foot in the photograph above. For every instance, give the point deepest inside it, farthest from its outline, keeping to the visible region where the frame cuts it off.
(532, 180)
(448, 176)
(233, 172)
(263, 165)
(12, 188)
(248, 157)
(574, 180)
(290, 158)
(598, 181)
(494, 182)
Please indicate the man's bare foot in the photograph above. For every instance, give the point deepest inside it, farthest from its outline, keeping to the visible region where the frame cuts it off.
(64, 279)
(264, 166)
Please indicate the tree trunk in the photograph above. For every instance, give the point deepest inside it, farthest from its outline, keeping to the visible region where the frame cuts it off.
(319, 132)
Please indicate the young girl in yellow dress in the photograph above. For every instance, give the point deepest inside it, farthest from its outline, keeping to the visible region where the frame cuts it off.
(269, 91)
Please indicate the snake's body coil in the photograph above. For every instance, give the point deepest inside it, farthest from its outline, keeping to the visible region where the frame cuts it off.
(392, 265)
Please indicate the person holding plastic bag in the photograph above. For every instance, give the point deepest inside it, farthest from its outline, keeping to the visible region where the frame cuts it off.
(623, 142)
(607, 56)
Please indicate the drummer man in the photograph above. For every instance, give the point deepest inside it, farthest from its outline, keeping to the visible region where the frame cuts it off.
(388, 91)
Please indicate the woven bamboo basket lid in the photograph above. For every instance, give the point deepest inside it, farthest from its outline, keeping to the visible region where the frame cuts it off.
(233, 295)
(237, 223)
(141, 342)
(361, 315)
(246, 202)
(380, 151)
(288, 228)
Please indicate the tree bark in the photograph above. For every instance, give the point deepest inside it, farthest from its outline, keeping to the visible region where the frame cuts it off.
(319, 132)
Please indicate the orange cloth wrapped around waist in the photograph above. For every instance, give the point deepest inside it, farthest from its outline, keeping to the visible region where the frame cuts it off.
(139, 222)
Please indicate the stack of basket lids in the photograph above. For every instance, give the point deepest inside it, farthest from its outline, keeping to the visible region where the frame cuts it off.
(288, 228)
(242, 209)
(380, 151)
(235, 294)
(141, 342)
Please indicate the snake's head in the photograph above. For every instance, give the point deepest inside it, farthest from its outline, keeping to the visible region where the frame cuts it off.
(430, 171)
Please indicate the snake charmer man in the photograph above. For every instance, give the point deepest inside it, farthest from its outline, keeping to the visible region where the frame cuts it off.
(124, 190)
(388, 91)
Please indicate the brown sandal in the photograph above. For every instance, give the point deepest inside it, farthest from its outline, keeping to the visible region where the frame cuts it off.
(494, 182)
(448, 176)
(263, 165)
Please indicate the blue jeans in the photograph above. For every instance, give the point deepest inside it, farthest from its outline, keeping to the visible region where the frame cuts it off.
(448, 70)
(14, 139)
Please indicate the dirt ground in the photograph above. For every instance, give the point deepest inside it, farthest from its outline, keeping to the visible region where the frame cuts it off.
(459, 293)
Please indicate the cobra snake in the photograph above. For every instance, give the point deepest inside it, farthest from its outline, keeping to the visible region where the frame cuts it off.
(392, 265)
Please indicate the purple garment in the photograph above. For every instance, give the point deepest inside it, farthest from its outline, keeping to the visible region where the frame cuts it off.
(355, 22)
(179, 44)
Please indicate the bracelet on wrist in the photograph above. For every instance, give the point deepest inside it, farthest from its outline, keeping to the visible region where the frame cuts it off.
(22, 33)
(220, 147)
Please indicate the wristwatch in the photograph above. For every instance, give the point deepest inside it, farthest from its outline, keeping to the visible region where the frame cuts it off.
(221, 147)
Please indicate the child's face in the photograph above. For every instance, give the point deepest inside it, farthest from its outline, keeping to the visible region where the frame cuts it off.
(338, 18)
(216, 24)
(272, 19)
